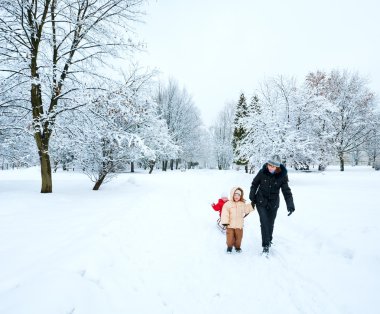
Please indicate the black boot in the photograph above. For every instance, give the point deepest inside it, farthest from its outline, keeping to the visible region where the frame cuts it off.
(265, 250)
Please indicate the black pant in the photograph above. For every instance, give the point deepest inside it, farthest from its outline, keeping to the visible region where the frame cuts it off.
(267, 218)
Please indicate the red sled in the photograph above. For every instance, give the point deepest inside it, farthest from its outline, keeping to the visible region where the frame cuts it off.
(218, 207)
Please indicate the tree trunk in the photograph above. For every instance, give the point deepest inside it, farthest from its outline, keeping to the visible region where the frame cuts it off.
(246, 168)
(132, 166)
(171, 164)
(55, 166)
(151, 166)
(42, 142)
(99, 182)
(47, 185)
(164, 165)
(341, 161)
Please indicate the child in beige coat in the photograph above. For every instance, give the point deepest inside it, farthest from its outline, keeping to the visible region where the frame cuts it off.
(233, 214)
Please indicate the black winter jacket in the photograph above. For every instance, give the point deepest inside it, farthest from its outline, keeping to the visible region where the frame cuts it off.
(265, 189)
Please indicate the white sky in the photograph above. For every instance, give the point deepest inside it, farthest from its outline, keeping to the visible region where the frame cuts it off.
(218, 48)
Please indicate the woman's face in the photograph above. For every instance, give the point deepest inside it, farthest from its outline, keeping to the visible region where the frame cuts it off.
(237, 197)
(271, 168)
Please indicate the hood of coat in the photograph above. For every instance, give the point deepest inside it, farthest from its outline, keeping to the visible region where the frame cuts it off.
(233, 192)
(280, 172)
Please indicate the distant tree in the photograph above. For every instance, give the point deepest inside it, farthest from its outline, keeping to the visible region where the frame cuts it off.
(16, 149)
(16, 141)
(222, 134)
(318, 113)
(352, 106)
(372, 143)
(239, 133)
(176, 107)
(205, 151)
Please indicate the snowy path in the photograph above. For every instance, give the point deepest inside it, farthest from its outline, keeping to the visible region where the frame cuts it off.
(149, 244)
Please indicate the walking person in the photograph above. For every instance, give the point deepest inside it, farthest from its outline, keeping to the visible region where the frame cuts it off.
(232, 218)
(265, 194)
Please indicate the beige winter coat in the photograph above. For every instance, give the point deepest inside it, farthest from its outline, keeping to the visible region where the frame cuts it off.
(233, 212)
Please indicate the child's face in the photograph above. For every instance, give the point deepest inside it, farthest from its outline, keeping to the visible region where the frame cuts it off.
(237, 197)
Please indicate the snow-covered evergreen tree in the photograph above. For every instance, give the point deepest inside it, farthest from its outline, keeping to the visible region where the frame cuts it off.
(241, 111)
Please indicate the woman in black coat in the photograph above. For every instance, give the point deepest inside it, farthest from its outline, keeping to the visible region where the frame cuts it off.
(265, 194)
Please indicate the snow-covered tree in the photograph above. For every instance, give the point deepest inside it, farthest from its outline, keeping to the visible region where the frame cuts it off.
(318, 113)
(155, 135)
(204, 151)
(352, 106)
(222, 135)
(252, 145)
(114, 141)
(241, 111)
(182, 117)
(119, 126)
(372, 143)
(16, 141)
(274, 124)
(16, 148)
(50, 52)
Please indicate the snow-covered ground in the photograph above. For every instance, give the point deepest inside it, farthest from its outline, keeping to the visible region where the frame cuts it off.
(149, 244)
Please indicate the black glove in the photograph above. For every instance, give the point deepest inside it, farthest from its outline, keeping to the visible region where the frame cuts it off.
(290, 210)
(225, 225)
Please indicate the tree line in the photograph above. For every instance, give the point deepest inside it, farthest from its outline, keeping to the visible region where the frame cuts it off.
(328, 117)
